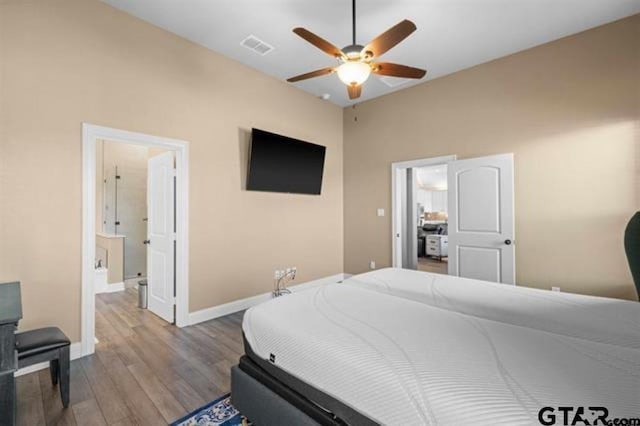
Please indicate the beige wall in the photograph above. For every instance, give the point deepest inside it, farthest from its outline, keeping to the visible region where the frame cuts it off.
(65, 62)
(568, 110)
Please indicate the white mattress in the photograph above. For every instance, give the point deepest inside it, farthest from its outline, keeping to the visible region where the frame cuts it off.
(593, 318)
(405, 347)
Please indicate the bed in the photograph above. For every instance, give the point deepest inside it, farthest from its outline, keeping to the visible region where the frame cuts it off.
(406, 347)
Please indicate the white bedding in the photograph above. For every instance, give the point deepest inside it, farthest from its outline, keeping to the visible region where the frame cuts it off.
(405, 347)
(593, 318)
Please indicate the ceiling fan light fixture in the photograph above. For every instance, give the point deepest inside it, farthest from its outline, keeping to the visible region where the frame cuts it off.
(354, 72)
(353, 51)
(356, 62)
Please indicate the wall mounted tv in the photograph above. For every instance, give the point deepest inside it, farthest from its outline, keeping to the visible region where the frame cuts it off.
(281, 164)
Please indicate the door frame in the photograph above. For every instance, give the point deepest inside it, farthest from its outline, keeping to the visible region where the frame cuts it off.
(397, 170)
(90, 135)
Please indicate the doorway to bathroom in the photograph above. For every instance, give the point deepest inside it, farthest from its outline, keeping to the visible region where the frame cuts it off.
(121, 213)
(134, 227)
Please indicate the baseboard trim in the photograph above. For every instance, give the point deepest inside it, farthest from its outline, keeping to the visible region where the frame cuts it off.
(242, 304)
(75, 352)
(111, 288)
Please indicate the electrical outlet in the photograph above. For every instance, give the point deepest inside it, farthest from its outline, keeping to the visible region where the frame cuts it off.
(372, 264)
(555, 289)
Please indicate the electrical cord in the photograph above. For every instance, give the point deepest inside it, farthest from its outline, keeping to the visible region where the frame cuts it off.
(280, 283)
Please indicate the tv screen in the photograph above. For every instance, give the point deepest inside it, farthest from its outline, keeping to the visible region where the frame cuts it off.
(281, 164)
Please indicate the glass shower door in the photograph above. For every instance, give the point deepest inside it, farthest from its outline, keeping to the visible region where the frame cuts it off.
(110, 203)
(125, 213)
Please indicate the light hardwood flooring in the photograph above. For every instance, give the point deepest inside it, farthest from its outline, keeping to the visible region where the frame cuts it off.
(144, 371)
(429, 264)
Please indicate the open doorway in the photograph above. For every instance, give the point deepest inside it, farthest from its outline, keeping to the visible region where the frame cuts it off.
(130, 180)
(432, 226)
(465, 223)
(420, 211)
(135, 211)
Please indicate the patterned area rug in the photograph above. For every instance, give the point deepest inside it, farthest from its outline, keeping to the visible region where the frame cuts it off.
(217, 413)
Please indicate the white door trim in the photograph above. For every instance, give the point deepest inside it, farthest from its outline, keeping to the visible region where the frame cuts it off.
(396, 243)
(90, 135)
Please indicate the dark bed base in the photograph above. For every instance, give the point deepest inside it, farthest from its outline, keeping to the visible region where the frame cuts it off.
(266, 394)
(263, 406)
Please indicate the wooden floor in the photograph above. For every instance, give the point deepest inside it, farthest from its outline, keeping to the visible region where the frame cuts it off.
(144, 371)
(429, 264)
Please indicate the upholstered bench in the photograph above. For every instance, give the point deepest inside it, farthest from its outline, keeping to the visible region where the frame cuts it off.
(47, 345)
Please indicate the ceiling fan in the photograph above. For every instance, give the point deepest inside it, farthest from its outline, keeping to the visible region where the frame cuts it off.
(357, 61)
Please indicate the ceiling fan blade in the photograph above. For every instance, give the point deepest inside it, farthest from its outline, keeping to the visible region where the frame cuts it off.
(397, 70)
(388, 39)
(319, 42)
(354, 91)
(312, 74)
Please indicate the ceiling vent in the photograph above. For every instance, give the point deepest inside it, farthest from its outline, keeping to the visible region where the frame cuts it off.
(254, 43)
(394, 81)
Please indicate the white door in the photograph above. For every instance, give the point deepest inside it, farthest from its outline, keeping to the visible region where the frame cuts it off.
(160, 236)
(481, 219)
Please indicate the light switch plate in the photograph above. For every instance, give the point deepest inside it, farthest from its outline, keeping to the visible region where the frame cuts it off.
(380, 212)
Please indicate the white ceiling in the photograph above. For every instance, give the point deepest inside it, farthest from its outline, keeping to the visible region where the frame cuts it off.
(452, 34)
(432, 178)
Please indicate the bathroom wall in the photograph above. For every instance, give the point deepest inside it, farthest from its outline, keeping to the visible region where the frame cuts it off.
(125, 201)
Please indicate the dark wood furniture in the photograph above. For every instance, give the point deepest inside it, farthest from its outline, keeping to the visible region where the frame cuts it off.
(10, 315)
(50, 345)
(632, 247)
(422, 245)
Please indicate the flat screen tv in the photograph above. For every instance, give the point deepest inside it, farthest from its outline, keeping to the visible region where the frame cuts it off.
(281, 164)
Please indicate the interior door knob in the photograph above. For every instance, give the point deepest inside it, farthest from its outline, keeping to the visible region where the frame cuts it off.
(146, 242)
(507, 242)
